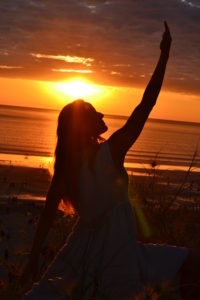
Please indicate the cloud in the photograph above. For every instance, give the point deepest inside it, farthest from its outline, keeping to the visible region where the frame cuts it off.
(118, 40)
(10, 67)
(192, 4)
(70, 59)
(72, 71)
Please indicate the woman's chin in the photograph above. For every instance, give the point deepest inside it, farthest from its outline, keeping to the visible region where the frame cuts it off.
(104, 129)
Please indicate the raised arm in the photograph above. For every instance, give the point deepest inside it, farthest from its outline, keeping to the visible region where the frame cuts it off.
(121, 140)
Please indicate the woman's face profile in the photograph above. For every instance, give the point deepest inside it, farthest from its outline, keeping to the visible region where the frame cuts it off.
(95, 121)
(82, 117)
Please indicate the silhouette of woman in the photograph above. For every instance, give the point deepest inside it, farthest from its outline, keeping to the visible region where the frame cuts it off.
(101, 258)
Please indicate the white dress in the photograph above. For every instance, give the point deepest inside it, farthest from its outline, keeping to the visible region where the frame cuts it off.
(102, 259)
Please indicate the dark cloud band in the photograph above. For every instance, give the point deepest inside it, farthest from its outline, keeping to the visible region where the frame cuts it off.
(121, 39)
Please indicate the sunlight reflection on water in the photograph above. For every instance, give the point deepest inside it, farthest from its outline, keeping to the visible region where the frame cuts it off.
(26, 161)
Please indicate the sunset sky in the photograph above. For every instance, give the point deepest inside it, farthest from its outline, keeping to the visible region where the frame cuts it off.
(52, 52)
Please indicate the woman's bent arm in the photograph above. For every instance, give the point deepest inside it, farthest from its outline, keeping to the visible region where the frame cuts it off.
(124, 138)
(46, 219)
(45, 222)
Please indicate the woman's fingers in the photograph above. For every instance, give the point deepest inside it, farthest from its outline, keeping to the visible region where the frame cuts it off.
(166, 39)
(166, 26)
(167, 31)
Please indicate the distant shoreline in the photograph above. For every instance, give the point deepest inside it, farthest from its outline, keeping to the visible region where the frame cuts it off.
(121, 117)
(38, 160)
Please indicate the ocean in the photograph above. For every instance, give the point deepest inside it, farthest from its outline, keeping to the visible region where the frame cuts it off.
(28, 137)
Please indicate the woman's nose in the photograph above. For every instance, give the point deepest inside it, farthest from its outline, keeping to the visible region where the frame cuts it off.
(100, 115)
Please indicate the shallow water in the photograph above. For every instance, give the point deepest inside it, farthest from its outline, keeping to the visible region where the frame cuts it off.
(28, 137)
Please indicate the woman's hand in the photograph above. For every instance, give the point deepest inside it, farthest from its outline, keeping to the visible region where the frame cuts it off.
(166, 41)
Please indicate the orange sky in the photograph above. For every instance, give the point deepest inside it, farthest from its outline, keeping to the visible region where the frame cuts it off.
(113, 44)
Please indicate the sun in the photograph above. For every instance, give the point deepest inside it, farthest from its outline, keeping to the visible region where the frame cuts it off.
(77, 88)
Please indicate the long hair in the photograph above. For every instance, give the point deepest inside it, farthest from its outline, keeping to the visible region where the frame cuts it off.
(73, 140)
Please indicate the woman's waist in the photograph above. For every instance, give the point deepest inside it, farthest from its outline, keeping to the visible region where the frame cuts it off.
(95, 219)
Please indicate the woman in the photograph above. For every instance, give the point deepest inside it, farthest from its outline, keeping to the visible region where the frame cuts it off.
(101, 258)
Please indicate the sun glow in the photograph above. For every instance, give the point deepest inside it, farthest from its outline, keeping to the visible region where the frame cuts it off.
(77, 88)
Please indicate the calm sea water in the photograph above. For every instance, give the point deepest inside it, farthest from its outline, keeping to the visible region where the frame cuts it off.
(28, 135)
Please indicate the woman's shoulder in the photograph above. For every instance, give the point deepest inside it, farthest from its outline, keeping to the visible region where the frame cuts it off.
(98, 155)
(105, 155)
(104, 151)
(96, 150)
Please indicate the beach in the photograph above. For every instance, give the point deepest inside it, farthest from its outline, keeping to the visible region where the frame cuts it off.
(125, 74)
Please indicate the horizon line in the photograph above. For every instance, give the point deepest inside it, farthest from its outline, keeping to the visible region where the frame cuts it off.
(111, 116)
